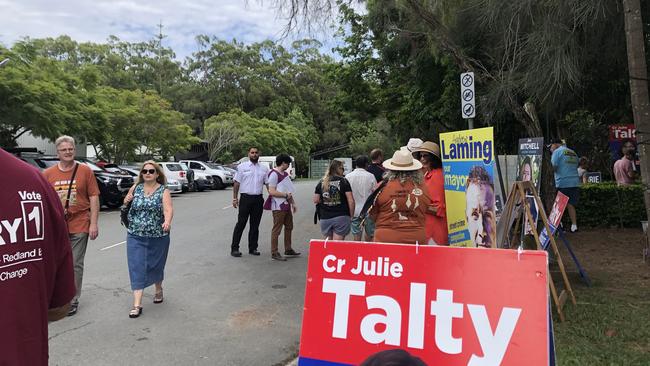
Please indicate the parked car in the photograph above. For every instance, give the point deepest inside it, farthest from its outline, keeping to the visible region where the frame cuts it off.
(113, 187)
(189, 173)
(202, 181)
(270, 162)
(114, 168)
(132, 170)
(221, 177)
(175, 171)
(174, 186)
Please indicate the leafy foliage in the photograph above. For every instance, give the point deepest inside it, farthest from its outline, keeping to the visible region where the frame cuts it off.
(267, 135)
(608, 205)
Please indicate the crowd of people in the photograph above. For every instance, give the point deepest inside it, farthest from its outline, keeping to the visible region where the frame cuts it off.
(398, 200)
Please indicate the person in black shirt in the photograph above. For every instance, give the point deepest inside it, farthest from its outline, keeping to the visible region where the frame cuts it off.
(334, 202)
(375, 167)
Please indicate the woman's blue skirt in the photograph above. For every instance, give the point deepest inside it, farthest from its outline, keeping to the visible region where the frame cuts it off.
(146, 257)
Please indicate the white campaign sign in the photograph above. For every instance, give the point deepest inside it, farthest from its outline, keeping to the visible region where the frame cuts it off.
(468, 107)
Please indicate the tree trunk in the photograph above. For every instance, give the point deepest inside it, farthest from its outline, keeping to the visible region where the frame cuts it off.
(639, 89)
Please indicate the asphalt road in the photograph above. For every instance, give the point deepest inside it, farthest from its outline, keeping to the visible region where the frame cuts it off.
(218, 310)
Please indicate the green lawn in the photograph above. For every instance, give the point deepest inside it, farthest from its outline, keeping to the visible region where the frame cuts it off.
(611, 323)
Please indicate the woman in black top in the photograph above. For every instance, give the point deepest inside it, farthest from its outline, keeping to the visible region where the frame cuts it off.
(334, 202)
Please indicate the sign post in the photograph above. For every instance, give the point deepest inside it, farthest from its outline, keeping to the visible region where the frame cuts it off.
(467, 99)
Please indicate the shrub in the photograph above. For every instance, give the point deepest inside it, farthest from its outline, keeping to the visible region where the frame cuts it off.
(607, 205)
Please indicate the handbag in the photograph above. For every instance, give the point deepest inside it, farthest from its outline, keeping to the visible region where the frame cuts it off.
(370, 202)
(124, 214)
(67, 199)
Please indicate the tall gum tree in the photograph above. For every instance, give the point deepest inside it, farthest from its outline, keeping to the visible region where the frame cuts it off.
(639, 88)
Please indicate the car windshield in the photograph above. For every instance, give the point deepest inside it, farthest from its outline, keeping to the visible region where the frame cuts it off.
(174, 167)
(184, 166)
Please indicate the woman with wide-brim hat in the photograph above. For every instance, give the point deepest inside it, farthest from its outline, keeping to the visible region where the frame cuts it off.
(434, 179)
(400, 208)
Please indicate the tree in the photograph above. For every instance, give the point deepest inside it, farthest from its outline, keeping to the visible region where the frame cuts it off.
(137, 121)
(38, 97)
(636, 57)
(220, 135)
(271, 137)
(526, 56)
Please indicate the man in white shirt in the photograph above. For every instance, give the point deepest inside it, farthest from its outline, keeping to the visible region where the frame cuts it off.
(250, 179)
(363, 183)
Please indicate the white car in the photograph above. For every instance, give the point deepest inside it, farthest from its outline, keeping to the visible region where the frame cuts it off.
(174, 171)
(174, 186)
(221, 177)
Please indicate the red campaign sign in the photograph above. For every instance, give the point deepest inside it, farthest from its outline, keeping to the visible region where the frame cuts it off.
(559, 205)
(622, 132)
(554, 219)
(445, 305)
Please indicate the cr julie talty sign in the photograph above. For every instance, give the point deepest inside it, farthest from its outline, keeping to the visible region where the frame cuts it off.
(444, 305)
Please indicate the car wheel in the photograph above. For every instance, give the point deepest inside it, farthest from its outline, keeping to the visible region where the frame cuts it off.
(218, 183)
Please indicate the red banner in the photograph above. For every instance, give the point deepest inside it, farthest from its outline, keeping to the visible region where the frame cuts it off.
(622, 132)
(445, 305)
(554, 218)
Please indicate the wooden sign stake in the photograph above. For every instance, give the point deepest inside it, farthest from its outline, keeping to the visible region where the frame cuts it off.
(519, 193)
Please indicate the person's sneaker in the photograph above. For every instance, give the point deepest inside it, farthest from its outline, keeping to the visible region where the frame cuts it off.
(574, 228)
(235, 253)
(291, 253)
(278, 257)
(253, 252)
(73, 309)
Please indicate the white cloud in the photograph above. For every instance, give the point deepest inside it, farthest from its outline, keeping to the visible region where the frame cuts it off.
(137, 20)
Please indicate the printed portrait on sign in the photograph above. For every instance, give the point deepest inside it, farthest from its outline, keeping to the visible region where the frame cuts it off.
(479, 207)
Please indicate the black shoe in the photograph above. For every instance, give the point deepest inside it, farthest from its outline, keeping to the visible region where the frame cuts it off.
(291, 253)
(73, 309)
(278, 257)
(253, 252)
(235, 253)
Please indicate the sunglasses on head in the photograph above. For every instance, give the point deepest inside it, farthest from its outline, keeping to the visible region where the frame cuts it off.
(148, 171)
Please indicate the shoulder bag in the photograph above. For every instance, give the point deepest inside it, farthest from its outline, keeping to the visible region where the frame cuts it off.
(66, 206)
(124, 212)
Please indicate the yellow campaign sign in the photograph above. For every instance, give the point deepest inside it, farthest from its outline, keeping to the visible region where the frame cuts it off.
(467, 160)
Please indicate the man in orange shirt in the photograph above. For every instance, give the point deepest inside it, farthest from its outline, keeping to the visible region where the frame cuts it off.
(77, 188)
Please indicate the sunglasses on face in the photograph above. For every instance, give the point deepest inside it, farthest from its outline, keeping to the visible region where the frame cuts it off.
(148, 171)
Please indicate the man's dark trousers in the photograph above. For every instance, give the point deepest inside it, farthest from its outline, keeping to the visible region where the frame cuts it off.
(249, 205)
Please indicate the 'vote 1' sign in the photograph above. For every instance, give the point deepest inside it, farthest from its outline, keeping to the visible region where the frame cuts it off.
(445, 305)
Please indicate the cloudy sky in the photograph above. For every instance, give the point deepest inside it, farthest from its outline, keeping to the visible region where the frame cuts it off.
(137, 20)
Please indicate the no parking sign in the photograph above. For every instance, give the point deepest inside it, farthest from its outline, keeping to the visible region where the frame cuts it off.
(468, 106)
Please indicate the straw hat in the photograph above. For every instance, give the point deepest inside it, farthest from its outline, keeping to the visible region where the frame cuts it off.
(402, 160)
(430, 147)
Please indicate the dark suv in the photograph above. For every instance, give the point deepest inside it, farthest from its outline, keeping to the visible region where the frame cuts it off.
(112, 186)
